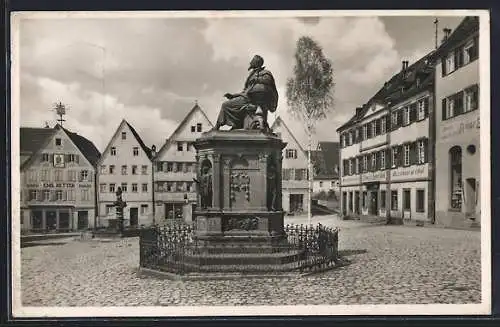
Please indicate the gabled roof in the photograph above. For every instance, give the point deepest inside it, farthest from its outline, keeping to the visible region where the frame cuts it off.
(136, 135)
(34, 140)
(279, 120)
(325, 159)
(402, 85)
(86, 147)
(181, 125)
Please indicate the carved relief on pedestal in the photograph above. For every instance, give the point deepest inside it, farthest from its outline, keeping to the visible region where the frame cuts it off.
(239, 182)
(244, 224)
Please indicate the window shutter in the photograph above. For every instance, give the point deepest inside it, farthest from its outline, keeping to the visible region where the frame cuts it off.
(459, 102)
(65, 195)
(413, 112)
(456, 54)
(426, 107)
(413, 153)
(460, 57)
(388, 158)
(400, 155)
(443, 67)
(400, 118)
(426, 150)
(52, 158)
(443, 109)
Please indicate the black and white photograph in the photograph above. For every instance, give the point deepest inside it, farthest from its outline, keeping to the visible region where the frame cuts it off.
(250, 163)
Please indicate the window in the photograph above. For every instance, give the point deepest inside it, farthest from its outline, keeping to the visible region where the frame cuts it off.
(124, 187)
(180, 146)
(395, 157)
(46, 195)
(103, 169)
(382, 199)
(374, 161)
(113, 151)
(365, 132)
(365, 199)
(421, 151)
(450, 63)
(342, 140)
(187, 167)
(374, 128)
(109, 209)
(124, 170)
(369, 131)
(111, 169)
(300, 174)
(135, 151)
(124, 135)
(84, 176)
(170, 167)
(32, 175)
(321, 184)
(470, 51)
(406, 119)
(189, 145)
(287, 174)
(383, 128)
(365, 163)
(72, 175)
(102, 188)
(134, 187)
(144, 169)
(456, 177)
(144, 209)
(134, 170)
(59, 195)
(112, 188)
(421, 109)
(32, 195)
(145, 187)
(406, 155)
(356, 166)
(471, 98)
(394, 200)
(85, 195)
(420, 200)
(193, 129)
(72, 158)
(407, 200)
(450, 107)
(291, 154)
(45, 175)
(58, 175)
(58, 142)
(351, 170)
(382, 159)
(198, 127)
(45, 157)
(394, 119)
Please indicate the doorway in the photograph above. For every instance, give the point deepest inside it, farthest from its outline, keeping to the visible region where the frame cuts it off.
(51, 219)
(296, 202)
(64, 222)
(134, 217)
(471, 197)
(83, 220)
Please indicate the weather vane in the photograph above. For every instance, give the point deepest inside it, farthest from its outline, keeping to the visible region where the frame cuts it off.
(60, 109)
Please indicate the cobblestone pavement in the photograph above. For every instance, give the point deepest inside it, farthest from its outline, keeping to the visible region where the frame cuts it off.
(389, 265)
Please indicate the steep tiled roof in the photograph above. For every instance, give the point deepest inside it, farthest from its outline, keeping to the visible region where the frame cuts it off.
(467, 27)
(86, 147)
(326, 160)
(279, 120)
(402, 85)
(141, 142)
(32, 139)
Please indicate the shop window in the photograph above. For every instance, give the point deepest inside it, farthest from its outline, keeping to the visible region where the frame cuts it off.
(394, 200)
(456, 177)
(420, 200)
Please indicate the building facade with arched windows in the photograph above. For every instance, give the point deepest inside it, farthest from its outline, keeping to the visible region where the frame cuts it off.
(458, 128)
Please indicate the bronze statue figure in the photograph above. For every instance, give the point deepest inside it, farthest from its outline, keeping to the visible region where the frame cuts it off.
(272, 191)
(205, 186)
(249, 109)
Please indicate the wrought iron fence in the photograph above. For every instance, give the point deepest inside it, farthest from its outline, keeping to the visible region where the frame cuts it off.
(176, 249)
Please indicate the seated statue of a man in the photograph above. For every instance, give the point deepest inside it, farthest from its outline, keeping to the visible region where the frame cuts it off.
(259, 92)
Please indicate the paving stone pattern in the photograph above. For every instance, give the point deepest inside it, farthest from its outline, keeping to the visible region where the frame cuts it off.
(389, 265)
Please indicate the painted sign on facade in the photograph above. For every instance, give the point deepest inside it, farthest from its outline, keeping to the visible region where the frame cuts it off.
(458, 128)
(349, 180)
(412, 172)
(376, 176)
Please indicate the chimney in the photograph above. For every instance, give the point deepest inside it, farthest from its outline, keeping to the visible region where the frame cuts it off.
(447, 32)
(403, 65)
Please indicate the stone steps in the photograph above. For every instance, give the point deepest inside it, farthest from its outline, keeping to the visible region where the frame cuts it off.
(245, 259)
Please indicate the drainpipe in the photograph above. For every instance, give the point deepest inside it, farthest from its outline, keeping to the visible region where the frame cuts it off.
(153, 154)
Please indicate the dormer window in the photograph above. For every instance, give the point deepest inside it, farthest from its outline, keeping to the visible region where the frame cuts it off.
(58, 142)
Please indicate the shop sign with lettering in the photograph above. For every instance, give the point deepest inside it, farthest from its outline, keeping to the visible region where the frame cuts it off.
(411, 172)
(374, 176)
(459, 128)
(51, 185)
(349, 180)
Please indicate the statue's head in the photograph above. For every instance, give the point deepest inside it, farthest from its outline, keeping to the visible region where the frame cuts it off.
(256, 62)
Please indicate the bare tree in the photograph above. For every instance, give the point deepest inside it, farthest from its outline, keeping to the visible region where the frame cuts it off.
(310, 93)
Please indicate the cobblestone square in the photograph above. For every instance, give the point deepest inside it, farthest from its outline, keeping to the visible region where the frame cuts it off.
(389, 265)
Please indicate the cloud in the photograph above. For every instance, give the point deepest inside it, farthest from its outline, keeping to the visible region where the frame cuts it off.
(151, 71)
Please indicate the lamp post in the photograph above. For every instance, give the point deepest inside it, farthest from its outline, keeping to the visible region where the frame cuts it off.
(153, 155)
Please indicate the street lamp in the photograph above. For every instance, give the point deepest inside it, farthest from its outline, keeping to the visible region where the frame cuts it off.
(153, 155)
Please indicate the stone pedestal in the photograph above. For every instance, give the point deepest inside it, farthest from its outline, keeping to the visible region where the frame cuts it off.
(239, 197)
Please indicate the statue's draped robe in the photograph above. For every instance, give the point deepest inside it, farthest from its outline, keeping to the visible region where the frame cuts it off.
(206, 190)
(260, 89)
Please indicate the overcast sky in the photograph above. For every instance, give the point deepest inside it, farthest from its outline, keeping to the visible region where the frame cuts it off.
(151, 71)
